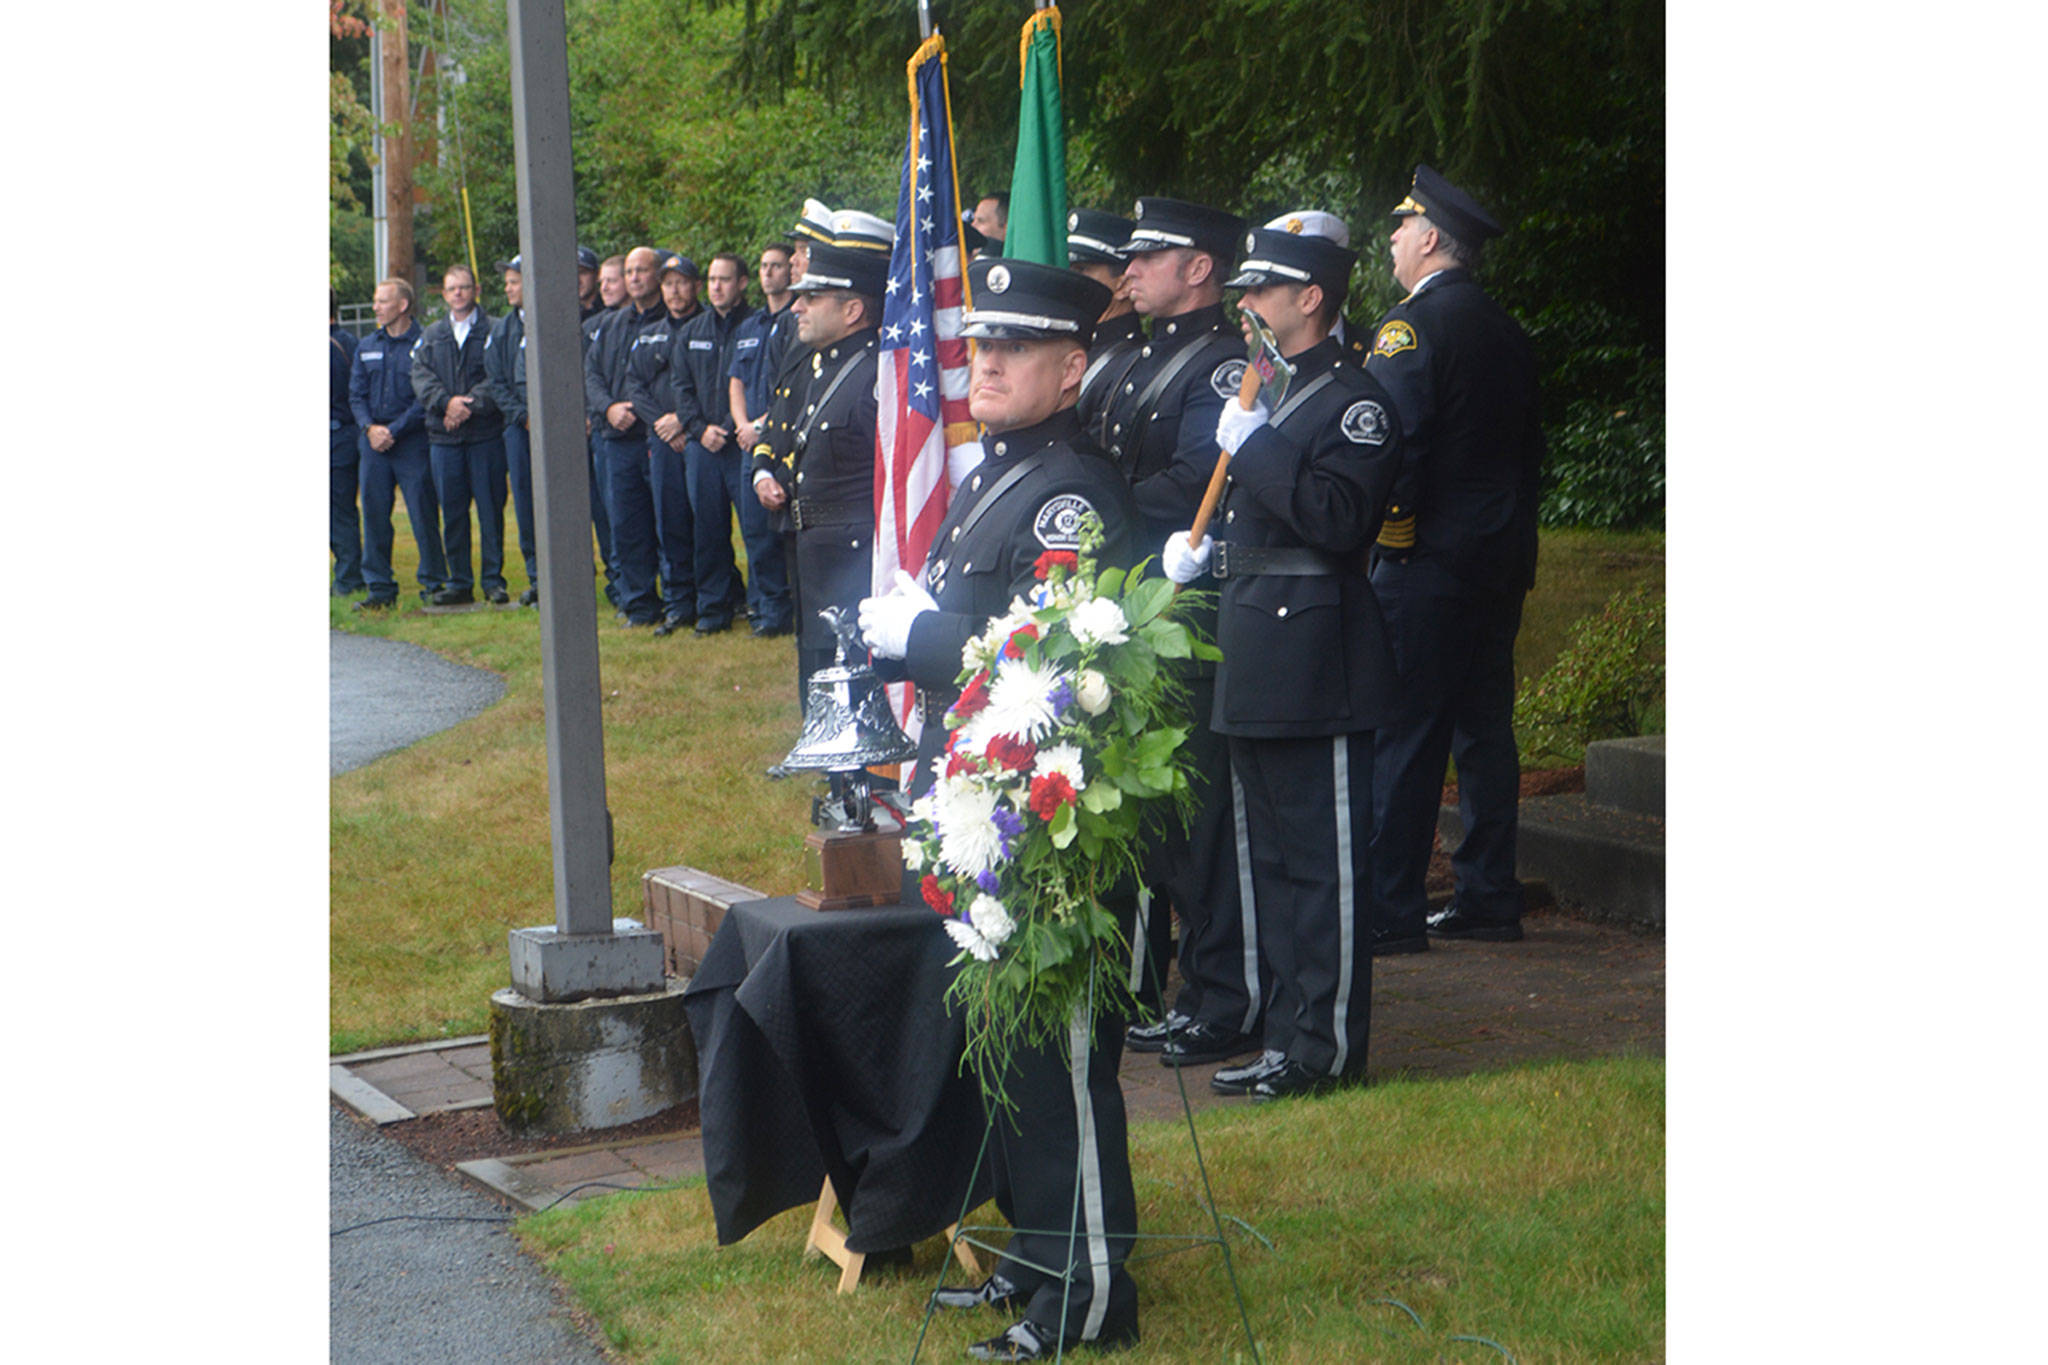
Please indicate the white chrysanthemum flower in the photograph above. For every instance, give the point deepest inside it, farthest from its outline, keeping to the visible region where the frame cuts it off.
(969, 843)
(990, 920)
(966, 936)
(1100, 622)
(1064, 759)
(1019, 703)
(913, 854)
(1091, 692)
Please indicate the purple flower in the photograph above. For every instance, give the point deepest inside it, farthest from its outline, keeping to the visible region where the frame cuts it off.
(986, 880)
(1009, 824)
(1061, 697)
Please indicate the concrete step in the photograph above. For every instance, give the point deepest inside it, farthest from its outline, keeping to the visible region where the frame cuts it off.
(1627, 774)
(1604, 861)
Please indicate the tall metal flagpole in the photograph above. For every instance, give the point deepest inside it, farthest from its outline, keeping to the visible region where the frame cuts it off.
(924, 18)
(544, 967)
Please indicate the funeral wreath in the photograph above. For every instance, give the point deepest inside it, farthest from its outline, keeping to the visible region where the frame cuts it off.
(1065, 748)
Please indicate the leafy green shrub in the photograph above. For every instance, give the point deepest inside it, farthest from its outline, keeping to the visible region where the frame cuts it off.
(1604, 466)
(1606, 682)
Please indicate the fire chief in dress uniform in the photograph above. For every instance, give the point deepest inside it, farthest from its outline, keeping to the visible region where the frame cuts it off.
(1060, 1158)
(1455, 558)
(1307, 671)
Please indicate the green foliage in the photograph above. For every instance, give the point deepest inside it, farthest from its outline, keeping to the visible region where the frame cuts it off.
(1605, 682)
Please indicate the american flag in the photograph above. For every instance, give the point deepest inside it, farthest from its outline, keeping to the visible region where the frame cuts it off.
(921, 383)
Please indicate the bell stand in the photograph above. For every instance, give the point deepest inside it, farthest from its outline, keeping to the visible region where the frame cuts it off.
(964, 1232)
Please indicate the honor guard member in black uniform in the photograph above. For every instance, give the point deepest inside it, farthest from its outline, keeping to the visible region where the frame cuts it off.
(650, 384)
(505, 373)
(590, 306)
(466, 440)
(1455, 558)
(1307, 671)
(1060, 1158)
(1158, 419)
(622, 437)
(828, 485)
(344, 525)
(1095, 243)
(1317, 223)
(394, 449)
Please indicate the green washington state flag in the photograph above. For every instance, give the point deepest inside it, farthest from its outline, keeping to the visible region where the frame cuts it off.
(1038, 186)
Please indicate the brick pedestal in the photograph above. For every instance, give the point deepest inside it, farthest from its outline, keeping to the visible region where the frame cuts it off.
(686, 906)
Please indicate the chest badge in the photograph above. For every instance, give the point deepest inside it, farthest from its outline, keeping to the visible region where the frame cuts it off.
(1058, 523)
(1365, 423)
(1226, 377)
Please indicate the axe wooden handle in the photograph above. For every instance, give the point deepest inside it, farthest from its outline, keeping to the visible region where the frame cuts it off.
(1247, 398)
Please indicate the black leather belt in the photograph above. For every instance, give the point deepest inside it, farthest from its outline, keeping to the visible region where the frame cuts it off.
(810, 513)
(1294, 561)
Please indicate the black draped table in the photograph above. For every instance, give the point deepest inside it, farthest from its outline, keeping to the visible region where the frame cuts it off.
(824, 1048)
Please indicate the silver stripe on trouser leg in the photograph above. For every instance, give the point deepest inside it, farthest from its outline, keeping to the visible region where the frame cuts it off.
(1247, 906)
(1347, 928)
(1141, 947)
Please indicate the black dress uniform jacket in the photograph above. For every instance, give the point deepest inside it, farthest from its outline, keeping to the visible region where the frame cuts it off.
(833, 489)
(1305, 652)
(974, 573)
(1461, 373)
(441, 370)
(1110, 359)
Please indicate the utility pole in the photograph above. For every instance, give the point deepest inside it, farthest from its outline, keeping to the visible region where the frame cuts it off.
(397, 159)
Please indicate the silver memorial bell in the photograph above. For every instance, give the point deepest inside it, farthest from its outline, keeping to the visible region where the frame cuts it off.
(847, 726)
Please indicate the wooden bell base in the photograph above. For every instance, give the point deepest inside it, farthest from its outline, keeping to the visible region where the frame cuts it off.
(856, 869)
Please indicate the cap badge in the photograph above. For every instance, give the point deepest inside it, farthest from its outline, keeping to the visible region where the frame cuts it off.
(1139, 211)
(1294, 226)
(998, 278)
(1251, 241)
(1074, 221)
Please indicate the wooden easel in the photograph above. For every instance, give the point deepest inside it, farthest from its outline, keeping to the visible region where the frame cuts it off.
(825, 1239)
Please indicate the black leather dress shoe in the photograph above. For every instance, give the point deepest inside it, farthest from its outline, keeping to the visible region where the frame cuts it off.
(1451, 922)
(710, 625)
(993, 1292)
(376, 604)
(761, 632)
(671, 626)
(531, 597)
(1288, 1079)
(1152, 1037)
(497, 597)
(454, 597)
(1238, 1080)
(1393, 943)
(1200, 1042)
(1026, 1340)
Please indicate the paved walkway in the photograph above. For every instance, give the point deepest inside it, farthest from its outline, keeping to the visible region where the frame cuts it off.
(385, 694)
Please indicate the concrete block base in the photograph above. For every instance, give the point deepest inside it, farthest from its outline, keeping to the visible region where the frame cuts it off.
(1627, 774)
(556, 968)
(1607, 862)
(566, 1068)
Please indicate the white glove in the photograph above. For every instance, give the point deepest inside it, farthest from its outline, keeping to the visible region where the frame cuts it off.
(1182, 564)
(885, 621)
(1235, 424)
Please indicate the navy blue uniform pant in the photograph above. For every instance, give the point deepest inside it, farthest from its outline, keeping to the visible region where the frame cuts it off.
(519, 475)
(1308, 818)
(403, 468)
(1455, 650)
(1062, 1167)
(721, 483)
(464, 475)
(628, 488)
(675, 526)
(601, 522)
(344, 524)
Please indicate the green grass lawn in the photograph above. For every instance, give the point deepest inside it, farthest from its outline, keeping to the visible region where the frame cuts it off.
(1525, 1207)
(439, 849)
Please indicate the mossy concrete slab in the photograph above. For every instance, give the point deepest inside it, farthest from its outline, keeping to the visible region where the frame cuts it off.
(590, 1064)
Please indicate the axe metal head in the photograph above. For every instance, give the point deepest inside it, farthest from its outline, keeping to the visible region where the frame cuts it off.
(1262, 355)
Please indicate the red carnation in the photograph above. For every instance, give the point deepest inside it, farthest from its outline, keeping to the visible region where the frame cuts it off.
(1011, 752)
(941, 901)
(1049, 793)
(1056, 559)
(1015, 648)
(959, 763)
(973, 697)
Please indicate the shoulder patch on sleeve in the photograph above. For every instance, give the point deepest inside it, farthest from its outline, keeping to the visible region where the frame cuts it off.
(1394, 338)
(1226, 377)
(1365, 423)
(1058, 524)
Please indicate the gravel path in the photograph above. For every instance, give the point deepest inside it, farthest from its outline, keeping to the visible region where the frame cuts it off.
(385, 694)
(455, 1293)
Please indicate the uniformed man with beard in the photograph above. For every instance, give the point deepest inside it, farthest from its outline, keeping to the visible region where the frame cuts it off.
(1159, 411)
(1039, 479)
(1307, 671)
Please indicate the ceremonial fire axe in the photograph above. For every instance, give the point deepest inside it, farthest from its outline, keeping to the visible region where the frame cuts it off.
(1266, 379)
